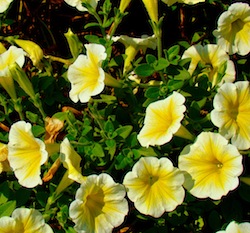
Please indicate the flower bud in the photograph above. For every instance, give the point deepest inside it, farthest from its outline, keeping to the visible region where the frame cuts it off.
(152, 9)
(75, 45)
(33, 50)
(123, 5)
(21, 78)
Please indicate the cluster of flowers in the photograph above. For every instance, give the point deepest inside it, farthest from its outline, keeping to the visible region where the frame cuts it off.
(208, 168)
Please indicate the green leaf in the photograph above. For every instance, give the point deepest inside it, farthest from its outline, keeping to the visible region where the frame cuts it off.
(111, 144)
(150, 58)
(124, 131)
(86, 129)
(88, 25)
(33, 118)
(97, 150)
(109, 127)
(108, 22)
(70, 230)
(4, 192)
(152, 92)
(144, 70)
(7, 208)
(173, 52)
(38, 130)
(108, 97)
(174, 84)
(147, 151)
(62, 116)
(92, 38)
(161, 64)
(132, 140)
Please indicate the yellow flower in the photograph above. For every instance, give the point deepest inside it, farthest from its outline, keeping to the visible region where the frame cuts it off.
(71, 161)
(212, 166)
(163, 119)
(213, 57)
(75, 45)
(78, 4)
(123, 5)
(231, 113)
(24, 220)
(5, 5)
(32, 49)
(233, 30)
(11, 56)
(99, 205)
(155, 186)
(189, 2)
(86, 74)
(133, 45)
(234, 227)
(4, 163)
(152, 9)
(26, 154)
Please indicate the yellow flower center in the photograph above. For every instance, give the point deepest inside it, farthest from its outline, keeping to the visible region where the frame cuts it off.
(153, 179)
(219, 165)
(233, 112)
(237, 25)
(95, 202)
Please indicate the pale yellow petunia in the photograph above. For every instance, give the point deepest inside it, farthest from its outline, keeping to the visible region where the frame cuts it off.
(4, 5)
(163, 119)
(234, 227)
(9, 57)
(78, 4)
(155, 186)
(86, 74)
(26, 154)
(233, 30)
(133, 46)
(71, 161)
(212, 166)
(189, 2)
(99, 205)
(231, 113)
(24, 220)
(213, 57)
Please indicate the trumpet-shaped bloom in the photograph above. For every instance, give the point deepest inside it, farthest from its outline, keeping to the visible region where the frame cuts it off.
(86, 74)
(189, 2)
(33, 50)
(152, 9)
(155, 186)
(71, 160)
(79, 6)
(24, 220)
(26, 154)
(11, 56)
(234, 227)
(231, 113)
(5, 5)
(133, 45)
(212, 166)
(163, 119)
(99, 206)
(123, 5)
(213, 57)
(233, 30)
